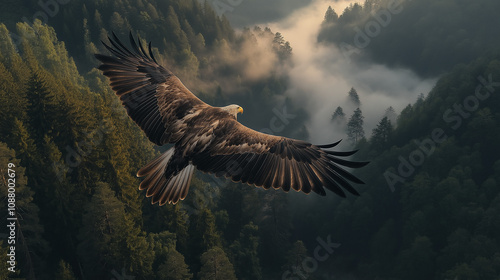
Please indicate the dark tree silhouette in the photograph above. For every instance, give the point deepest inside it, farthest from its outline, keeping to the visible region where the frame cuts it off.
(355, 131)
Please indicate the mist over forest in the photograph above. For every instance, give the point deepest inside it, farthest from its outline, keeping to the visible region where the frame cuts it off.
(413, 85)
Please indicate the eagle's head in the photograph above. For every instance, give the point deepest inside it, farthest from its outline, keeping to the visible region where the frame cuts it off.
(233, 110)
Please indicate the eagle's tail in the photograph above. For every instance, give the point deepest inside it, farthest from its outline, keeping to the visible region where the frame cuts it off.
(158, 186)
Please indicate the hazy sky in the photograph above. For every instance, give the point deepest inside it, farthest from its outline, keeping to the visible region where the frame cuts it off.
(322, 76)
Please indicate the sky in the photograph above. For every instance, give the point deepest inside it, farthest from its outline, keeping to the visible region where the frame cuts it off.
(322, 76)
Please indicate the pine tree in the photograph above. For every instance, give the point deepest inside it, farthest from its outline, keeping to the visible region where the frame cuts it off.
(203, 235)
(41, 48)
(39, 108)
(203, 232)
(418, 260)
(64, 272)
(382, 133)
(90, 48)
(420, 98)
(172, 218)
(152, 12)
(221, 221)
(117, 22)
(161, 244)
(330, 15)
(12, 101)
(110, 240)
(338, 116)
(178, 224)
(391, 115)
(120, 174)
(231, 201)
(246, 254)
(355, 130)
(9, 56)
(354, 97)
(274, 228)
(295, 255)
(7, 45)
(216, 266)
(282, 47)
(23, 144)
(98, 19)
(174, 267)
(62, 201)
(101, 233)
(177, 35)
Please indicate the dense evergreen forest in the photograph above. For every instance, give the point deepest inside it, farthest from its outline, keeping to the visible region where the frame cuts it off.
(430, 208)
(428, 36)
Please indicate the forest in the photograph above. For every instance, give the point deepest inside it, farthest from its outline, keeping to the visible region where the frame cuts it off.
(430, 208)
(430, 37)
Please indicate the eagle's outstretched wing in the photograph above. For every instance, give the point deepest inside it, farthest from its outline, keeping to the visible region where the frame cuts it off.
(263, 160)
(154, 97)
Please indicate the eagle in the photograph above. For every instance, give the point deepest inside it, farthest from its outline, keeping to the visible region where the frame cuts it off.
(210, 138)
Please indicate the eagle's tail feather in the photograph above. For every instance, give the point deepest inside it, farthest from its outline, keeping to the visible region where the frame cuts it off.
(158, 162)
(162, 189)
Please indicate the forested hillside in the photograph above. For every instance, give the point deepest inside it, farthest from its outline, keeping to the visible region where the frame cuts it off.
(427, 36)
(430, 208)
(200, 47)
(76, 152)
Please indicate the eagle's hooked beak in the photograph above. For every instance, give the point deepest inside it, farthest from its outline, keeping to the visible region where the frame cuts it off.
(240, 110)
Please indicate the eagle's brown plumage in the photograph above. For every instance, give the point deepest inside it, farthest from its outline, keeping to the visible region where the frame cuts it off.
(210, 138)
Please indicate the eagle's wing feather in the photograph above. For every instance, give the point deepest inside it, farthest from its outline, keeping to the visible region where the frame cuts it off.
(255, 158)
(154, 97)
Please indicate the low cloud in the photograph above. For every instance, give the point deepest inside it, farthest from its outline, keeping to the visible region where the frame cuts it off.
(253, 59)
(322, 76)
(235, 66)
